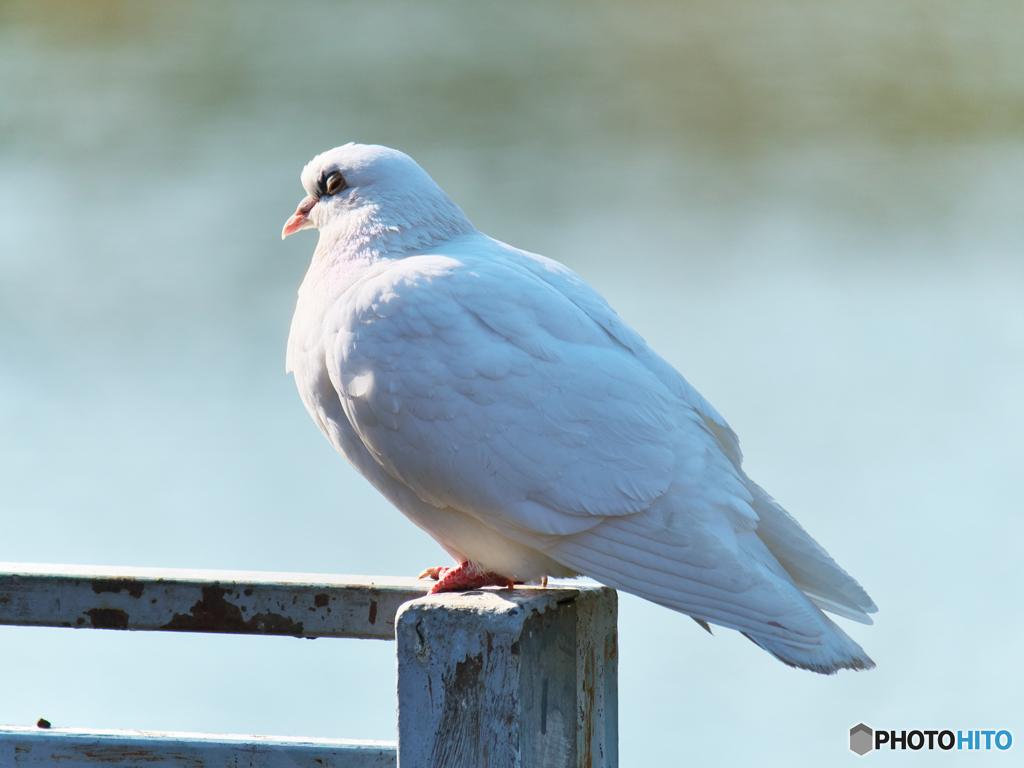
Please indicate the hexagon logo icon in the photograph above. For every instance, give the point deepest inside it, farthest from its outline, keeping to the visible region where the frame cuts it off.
(861, 739)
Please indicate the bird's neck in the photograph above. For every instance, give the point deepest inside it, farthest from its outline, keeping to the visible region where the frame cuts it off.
(366, 235)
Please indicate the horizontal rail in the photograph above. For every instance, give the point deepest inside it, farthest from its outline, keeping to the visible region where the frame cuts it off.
(72, 748)
(179, 600)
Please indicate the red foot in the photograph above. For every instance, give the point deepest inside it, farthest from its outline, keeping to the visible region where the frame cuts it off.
(463, 577)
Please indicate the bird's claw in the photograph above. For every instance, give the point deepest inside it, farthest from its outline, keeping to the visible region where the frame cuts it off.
(438, 572)
(463, 577)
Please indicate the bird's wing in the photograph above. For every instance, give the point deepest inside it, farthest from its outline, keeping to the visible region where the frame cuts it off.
(594, 305)
(810, 566)
(484, 389)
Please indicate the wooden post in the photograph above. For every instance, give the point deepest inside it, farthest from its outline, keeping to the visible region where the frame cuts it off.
(520, 678)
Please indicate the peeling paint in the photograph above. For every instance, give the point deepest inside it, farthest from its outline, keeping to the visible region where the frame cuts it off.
(611, 648)
(164, 599)
(458, 740)
(110, 756)
(589, 702)
(133, 587)
(107, 618)
(215, 614)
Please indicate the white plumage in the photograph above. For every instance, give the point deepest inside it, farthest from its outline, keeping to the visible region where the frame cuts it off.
(499, 402)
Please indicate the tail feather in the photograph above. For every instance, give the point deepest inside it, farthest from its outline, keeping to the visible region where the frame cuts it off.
(842, 652)
(691, 571)
(812, 569)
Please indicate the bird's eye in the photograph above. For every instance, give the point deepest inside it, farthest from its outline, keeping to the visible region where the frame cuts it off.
(332, 184)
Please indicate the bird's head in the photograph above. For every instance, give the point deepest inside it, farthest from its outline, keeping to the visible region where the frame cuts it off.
(369, 196)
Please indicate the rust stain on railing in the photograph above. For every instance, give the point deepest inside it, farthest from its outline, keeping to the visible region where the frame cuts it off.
(291, 605)
(215, 614)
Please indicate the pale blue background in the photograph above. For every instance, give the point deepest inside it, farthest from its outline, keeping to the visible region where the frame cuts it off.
(814, 210)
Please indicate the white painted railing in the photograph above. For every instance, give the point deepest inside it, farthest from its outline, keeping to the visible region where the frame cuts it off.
(524, 678)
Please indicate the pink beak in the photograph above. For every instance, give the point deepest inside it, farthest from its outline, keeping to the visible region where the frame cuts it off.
(299, 219)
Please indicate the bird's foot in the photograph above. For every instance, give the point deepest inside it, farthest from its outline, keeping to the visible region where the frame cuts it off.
(463, 577)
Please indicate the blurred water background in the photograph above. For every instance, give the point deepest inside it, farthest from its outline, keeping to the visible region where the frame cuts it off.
(812, 209)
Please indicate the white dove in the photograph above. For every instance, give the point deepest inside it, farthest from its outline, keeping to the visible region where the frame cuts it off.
(500, 403)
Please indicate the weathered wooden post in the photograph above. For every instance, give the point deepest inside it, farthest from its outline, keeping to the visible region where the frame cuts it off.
(521, 678)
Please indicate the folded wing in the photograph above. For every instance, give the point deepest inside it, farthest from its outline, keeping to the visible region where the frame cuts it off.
(505, 388)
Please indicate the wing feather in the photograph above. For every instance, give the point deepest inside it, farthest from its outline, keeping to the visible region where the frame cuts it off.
(515, 407)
